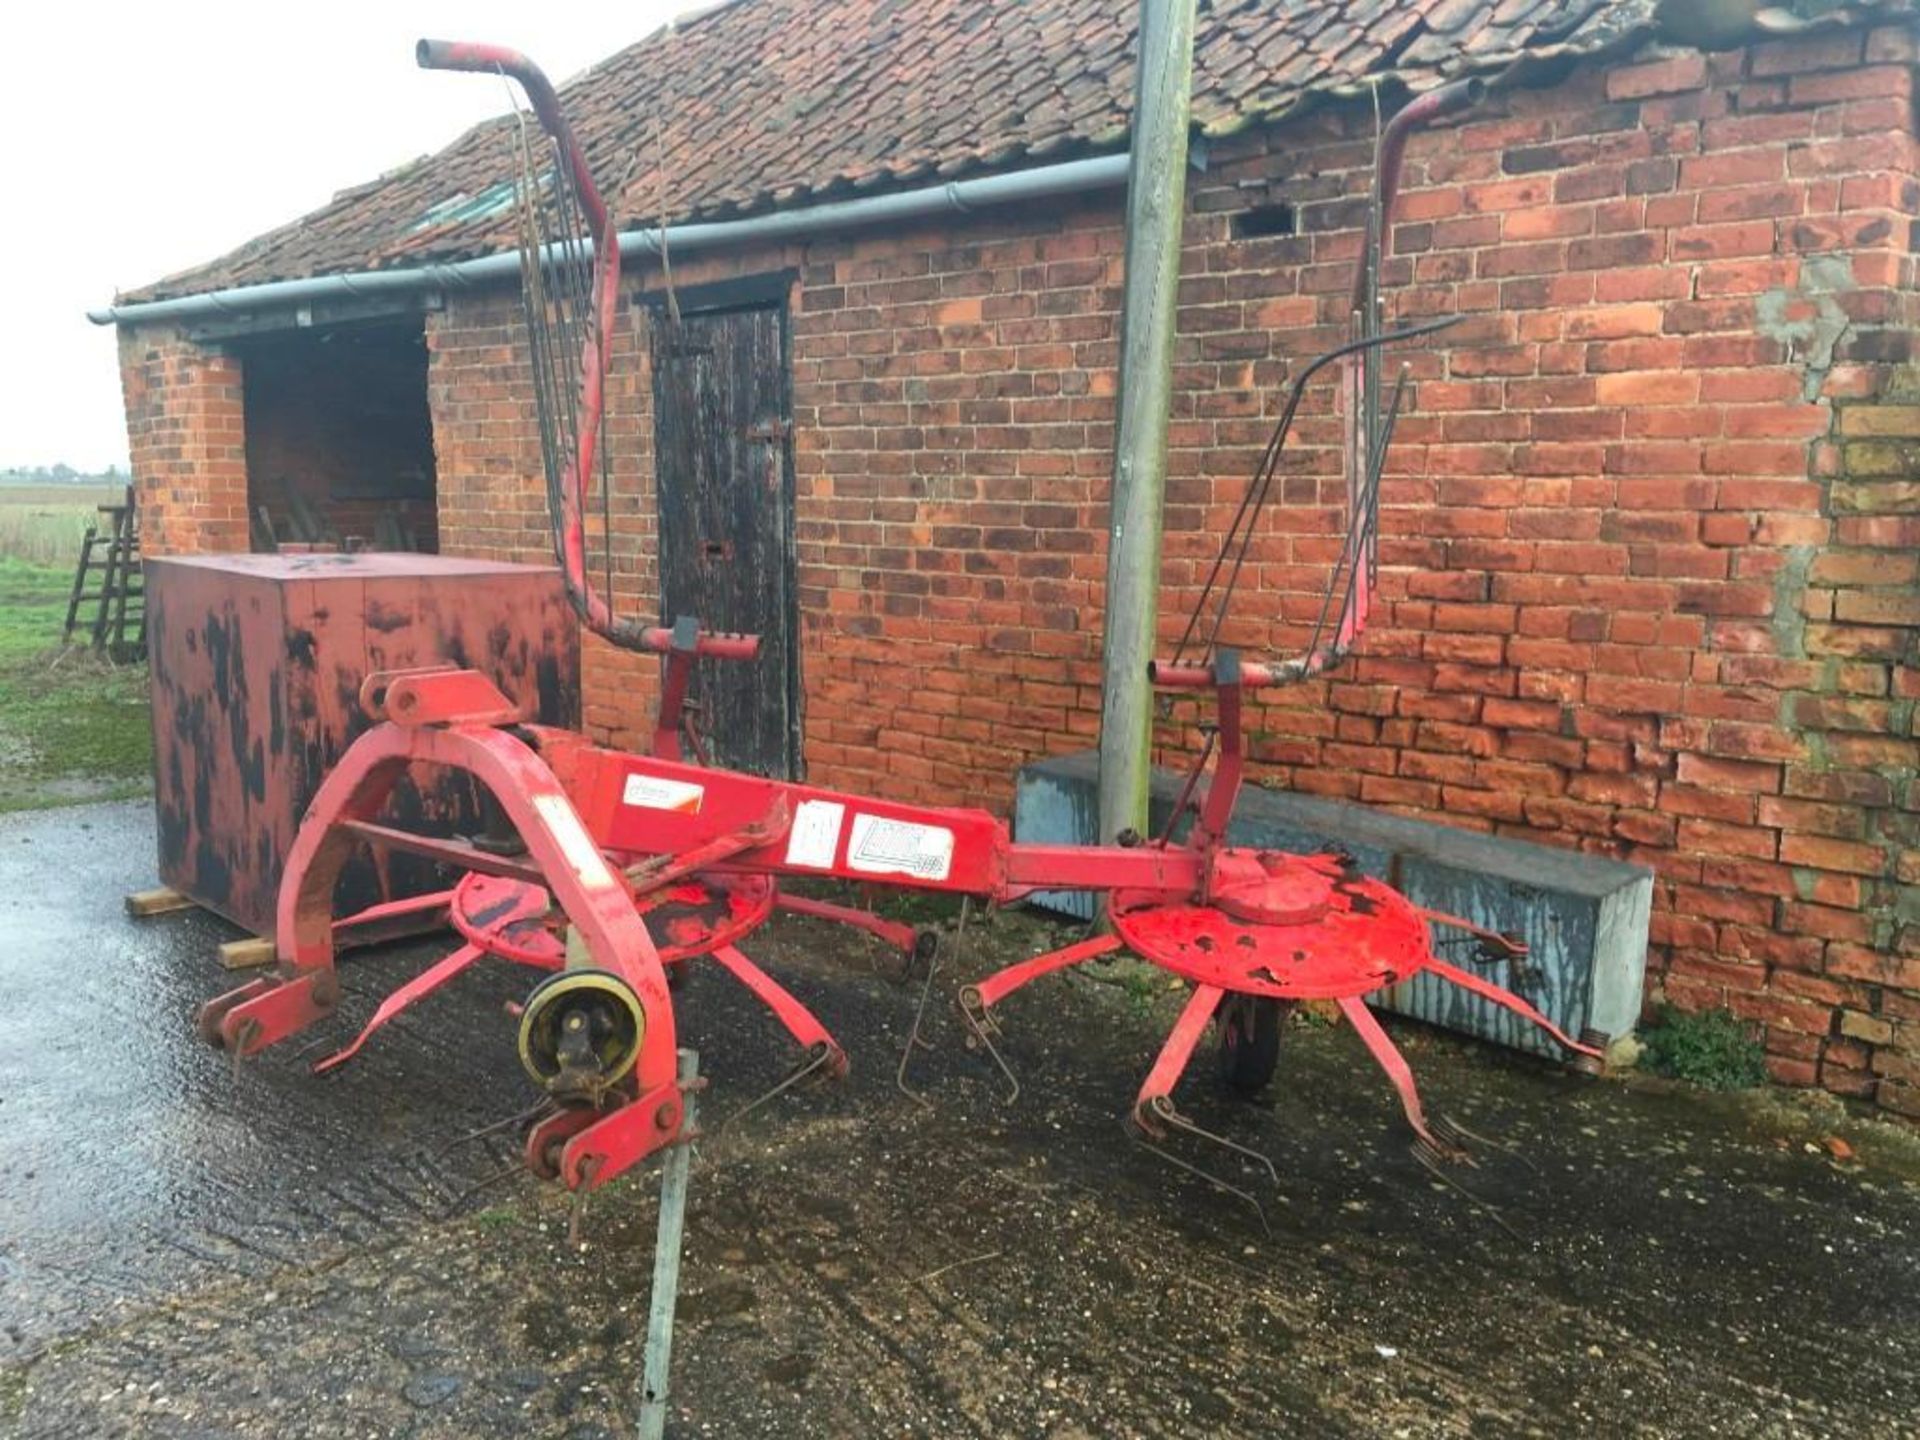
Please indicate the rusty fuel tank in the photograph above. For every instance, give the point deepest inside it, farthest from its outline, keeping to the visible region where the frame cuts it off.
(256, 665)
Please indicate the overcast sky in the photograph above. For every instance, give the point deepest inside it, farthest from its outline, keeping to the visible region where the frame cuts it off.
(146, 138)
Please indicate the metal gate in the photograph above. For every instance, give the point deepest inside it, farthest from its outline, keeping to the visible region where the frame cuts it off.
(723, 469)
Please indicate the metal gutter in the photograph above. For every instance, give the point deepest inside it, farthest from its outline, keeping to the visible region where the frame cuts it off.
(957, 197)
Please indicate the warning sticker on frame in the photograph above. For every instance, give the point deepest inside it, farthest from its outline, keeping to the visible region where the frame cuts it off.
(651, 792)
(899, 847)
(815, 835)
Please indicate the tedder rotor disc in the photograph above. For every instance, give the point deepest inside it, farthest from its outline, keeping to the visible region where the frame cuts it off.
(1291, 927)
(510, 918)
(698, 916)
(507, 918)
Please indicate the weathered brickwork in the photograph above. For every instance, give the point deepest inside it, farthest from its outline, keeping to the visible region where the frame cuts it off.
(1649, 580)
(186, 434)
(1650, 590)
(492, 495)
(196, 442)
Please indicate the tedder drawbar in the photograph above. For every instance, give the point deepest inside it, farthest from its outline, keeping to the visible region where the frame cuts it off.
(610, 867)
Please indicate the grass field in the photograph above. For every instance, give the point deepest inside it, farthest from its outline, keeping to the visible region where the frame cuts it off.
(71, 726)
(42, 524)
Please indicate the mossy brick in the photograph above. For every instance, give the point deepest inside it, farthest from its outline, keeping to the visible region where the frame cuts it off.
(1876, 497)
(1864, 567)
(1877, 607)
(1868, 1028)
(1869, 458)
(1870, 420)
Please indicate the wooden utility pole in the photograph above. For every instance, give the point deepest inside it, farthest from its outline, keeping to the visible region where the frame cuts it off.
(1156, 205)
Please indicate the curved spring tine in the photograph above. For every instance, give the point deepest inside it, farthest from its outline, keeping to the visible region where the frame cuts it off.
(1454, 1133)
(533, 1114)
(1162, 1109)
(1435, 1165)
(914, 1040)
(453, 1206)
(243, 1037)
(979, 1022)
(976, 1000)
(577, 1209)
(1139, 1138)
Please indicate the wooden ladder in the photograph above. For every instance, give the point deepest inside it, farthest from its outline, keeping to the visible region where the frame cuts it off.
(119, 628)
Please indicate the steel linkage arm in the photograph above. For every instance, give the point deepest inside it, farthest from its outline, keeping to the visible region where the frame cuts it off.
(682, 645)
(1420, 111)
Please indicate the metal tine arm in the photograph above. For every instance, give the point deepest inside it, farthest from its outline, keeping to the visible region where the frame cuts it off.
(1362, 534)
(975, 999)
(1239, 538)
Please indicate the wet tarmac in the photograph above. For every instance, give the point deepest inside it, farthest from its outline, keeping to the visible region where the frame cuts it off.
(133, 1158)
(185, 1255)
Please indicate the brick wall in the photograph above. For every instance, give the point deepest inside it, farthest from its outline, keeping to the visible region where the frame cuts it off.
(1648, 586)
(953, 430)
(1647, 589)
(187, 438)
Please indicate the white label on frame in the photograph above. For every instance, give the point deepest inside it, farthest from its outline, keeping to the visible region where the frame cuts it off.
(650, 792)
(815, 835)
(900, 847)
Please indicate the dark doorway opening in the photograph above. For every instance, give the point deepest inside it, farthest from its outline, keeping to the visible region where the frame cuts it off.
(723, 475)
(340, 438)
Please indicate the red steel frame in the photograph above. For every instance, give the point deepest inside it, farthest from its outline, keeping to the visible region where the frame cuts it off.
(504, 909)
(582, 808)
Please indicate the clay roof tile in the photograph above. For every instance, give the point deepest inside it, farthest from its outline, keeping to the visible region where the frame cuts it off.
(763, 103)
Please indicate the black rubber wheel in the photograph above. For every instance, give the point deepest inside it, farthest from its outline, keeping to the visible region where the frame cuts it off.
(1250, 1041)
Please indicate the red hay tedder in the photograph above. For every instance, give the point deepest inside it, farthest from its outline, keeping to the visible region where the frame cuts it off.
(606, 868)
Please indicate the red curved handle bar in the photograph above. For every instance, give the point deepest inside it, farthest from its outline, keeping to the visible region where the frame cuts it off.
(1202, 677)
(496, 59)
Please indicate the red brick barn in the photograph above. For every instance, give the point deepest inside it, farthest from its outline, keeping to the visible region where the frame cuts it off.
(1650, 561)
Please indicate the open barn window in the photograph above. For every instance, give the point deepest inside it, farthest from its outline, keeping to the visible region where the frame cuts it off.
(339, 437)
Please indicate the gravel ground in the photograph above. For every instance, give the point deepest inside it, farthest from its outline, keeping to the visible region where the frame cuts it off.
(184, 1254)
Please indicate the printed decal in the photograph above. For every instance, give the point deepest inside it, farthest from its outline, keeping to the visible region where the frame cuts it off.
(816, 833)
(650, 792)
(899, 847)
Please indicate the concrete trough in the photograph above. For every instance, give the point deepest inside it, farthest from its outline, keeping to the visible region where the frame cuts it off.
(1584, 917)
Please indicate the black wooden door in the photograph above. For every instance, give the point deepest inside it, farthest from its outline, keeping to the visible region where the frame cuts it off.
(723, 474)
